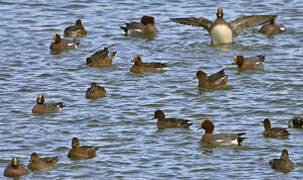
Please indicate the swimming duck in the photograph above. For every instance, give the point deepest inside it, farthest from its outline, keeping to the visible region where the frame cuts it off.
(76, 30)
(45, 108)
(222, 32)
(219, 139)
(101, 58)
(283, 164)
(274, 132)
(256, 62)
(95, 91)
(140, 67)
(272, 28)
(61, 44)
(78, 152)
(296, 122)
(15, 169)
(170, 122)
(216, 80)
(37, 163)
(145, 28)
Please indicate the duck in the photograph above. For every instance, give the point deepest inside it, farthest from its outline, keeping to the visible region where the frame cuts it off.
(45, 108)
(95, 91)
(163, 122)
(217, 80)
(37, 163)
(222, 32)
(101, 58)
(272, 28)
(140, 67)
(15, 169)
(78, 152)
(255, 62)
(270, 132)
(61, 44)
(284, 164)
(296, 122)
(219, 139)
(145, 28)
(76, 30)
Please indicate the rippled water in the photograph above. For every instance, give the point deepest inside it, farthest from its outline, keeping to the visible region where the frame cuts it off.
(121, 124)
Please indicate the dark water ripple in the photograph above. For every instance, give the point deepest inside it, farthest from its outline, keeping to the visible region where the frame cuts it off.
(121, 125)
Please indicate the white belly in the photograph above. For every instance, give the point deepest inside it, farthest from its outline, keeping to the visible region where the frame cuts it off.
(221, 34)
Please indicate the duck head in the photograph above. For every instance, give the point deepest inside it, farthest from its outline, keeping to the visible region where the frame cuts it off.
(219, 13)
(267, 124)
(207, 125)
(159, 114)
(147, 20)
(40, 99)
(239, 60)
(75, 143)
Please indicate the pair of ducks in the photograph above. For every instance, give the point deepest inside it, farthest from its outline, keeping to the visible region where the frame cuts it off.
(77, 152)
(16, 169)
(283, 164)
(75, 31)
(41, 107)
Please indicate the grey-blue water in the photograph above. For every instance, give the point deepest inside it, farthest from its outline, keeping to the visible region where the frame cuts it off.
(121, 124)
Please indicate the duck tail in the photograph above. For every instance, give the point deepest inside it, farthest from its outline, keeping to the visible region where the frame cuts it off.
(241, 139)
(124, 29)
(262, 58)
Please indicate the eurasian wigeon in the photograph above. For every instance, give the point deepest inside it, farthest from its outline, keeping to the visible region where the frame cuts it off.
(170, 122)
(95, 91)
(284, 164)
(76, 30)
(219, 139)
(36, 163)
(78, 152)
(15, 169)
(140, 66)
(145, 28)
(61, 44)
(272, 28)
(101, 58)
(45, 108)
(296, 122)
(255, 62)
(222, 32)
(216, 80)
(270, 132)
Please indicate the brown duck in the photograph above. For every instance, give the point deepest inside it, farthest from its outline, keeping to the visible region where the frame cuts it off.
(270, 132)
(61, 44)
(145, 28)
(272, 28)
(284, 164)
(95, 91)
(256, 62)
(78, 152)
(46, 108)
(213, 81)
(222, 139)
(76, 30)
(101, 58)
(36, 163)
(140, 67)
(170, 122)
(15, 169)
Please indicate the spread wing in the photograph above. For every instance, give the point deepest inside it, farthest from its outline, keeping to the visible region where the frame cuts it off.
(202, 22)
(242, 23)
